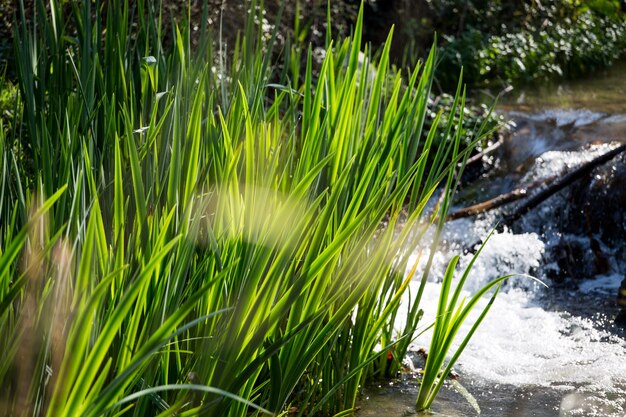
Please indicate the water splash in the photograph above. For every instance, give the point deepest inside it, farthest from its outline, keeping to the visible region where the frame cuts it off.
(534, 340)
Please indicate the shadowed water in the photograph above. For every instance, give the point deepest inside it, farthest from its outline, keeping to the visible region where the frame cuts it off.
(601, 92)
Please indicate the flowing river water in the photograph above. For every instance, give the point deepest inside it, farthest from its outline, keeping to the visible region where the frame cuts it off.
(541, 351)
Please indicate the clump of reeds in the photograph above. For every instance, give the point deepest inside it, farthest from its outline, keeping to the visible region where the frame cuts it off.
(205, 250)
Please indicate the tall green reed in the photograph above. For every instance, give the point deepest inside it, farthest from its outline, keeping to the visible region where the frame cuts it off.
(205, 250)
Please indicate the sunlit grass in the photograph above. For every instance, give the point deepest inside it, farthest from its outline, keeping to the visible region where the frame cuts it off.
(452, 311)
(204, 250)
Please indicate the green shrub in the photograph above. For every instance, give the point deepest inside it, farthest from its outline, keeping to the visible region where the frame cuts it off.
(560, 44)
(8, 101)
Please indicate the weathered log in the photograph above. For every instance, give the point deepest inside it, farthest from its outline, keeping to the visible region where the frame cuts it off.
(498, 201)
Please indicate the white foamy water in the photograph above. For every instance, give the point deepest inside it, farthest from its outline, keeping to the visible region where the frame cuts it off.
(520, 343)
(523, 342)
(558, 162)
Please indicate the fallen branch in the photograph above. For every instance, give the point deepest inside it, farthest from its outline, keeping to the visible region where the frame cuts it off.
(498, 201)
(479, 156)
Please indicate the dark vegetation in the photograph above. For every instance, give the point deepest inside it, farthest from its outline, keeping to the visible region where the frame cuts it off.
(496, 41)
(534, 40)
(506, 41)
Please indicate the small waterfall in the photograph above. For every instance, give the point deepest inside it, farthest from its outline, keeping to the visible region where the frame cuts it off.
(541, 351)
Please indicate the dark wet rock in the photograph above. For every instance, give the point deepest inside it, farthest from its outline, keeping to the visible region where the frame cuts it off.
(591, 223)
(595, 209)
(415, 360)
(621, 297)
(532, 137)
(571, 260)
(598, 201)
